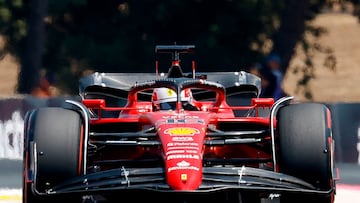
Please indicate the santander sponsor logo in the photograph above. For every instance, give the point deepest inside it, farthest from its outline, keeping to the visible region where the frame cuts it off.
(183, 165)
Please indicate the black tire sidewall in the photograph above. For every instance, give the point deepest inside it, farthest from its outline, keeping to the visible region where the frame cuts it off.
(57, 135)
(303, 140)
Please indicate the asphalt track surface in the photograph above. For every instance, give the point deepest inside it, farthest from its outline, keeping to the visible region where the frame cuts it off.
(348, 187)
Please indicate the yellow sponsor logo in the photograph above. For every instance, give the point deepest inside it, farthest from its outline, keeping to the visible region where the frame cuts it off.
(182, 131)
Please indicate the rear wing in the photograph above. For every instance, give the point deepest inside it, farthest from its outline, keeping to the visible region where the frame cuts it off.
(236, 84)
(119, 84)
(175, 70)
(175, 49)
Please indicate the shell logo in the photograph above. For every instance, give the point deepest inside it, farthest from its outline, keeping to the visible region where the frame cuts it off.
(182, 131)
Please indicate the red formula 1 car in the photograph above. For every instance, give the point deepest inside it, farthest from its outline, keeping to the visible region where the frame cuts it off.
(178, 137)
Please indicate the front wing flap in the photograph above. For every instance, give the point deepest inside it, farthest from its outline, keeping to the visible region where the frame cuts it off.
(214, 179)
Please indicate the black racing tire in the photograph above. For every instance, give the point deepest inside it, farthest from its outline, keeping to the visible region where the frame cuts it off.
(27, 194)
(58, 136)
(305, 146)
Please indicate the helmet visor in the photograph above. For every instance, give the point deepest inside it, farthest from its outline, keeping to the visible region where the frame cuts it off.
(172, 106)
(168, 106)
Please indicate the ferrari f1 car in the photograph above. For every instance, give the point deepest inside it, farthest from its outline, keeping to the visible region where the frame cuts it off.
(178, 137)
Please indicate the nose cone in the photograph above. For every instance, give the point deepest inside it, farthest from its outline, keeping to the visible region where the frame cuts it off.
(182, 147)
(184, 175)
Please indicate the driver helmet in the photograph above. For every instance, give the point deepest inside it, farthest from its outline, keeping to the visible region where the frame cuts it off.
(165, 99)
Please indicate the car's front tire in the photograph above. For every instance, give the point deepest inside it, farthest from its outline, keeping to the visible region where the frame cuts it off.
(56, 136)
(306, 146)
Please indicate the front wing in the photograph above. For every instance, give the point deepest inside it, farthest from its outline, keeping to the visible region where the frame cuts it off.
(214, 179)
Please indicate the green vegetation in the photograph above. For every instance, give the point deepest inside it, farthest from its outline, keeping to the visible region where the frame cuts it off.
(69, 37)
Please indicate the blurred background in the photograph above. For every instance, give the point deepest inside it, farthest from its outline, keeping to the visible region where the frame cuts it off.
(60, 41)
(307, 49)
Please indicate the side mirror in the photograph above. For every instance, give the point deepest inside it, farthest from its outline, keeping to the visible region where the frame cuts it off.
(262, 102)
(94, 103)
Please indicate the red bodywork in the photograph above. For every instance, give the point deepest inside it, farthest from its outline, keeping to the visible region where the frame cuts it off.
(182, 135)
(223, 144)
